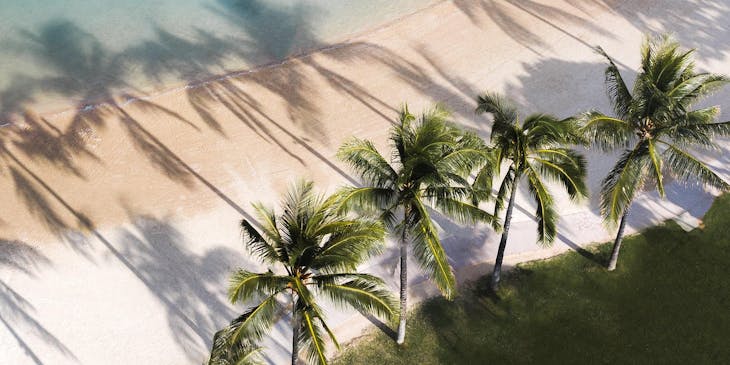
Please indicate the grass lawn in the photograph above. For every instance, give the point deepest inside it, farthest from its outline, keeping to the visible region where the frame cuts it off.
(668, 302)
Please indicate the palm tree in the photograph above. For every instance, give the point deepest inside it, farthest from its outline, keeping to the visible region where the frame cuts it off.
(317, 249)
(655, 125)
(431, 158)
(534, 149)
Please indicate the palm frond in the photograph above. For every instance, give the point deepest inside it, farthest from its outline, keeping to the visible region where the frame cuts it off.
(367, 199)
(544, 130)
(696, 128)
(656, 166)
(465, 212)
(439, 114)
(503, 110)
(689, 168)
(483, 183)
(298, 204)
(436, 192)
(660, 64)
(622, 183)
(346, 249)
(306, 297)
(463, 161)
(430, 254)
(364, 159)
(616, 88)
(402, 132)
(566, 166)
(704, 119)
(255, 322)
(605, 132)
(365, 293)
(310, 336)
(225, 352)
(244, 285)
(692, 88)
(267, 220)
(257, 245)
(545, 212)
(669, 67)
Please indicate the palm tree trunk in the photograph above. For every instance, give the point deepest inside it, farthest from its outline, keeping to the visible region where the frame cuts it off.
(494, 284)
(617, 243)
(295, 334)
(403, 283)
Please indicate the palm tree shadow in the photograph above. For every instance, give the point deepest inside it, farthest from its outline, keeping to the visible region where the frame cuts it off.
(16, 313)
(482, 288)
(380, 325)
(158, 254)
(154, 253)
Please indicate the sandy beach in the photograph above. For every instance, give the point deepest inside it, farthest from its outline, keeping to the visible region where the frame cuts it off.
(119, 225)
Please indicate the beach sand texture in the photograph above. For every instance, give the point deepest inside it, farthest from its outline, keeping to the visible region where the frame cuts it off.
(119, 225)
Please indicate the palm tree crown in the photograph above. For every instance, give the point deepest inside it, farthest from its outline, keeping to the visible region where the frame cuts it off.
(655, 123)
(317, 249)
(431, 159)
(534, 149)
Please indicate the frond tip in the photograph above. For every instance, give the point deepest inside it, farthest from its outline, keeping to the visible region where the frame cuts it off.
(225, 352)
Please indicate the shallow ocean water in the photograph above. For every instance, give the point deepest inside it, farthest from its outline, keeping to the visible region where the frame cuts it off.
(69, 52)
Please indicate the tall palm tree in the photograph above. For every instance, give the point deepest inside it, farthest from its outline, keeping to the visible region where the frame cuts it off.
(534, 149)
(431, 158)
(316, 249)
(656, 126)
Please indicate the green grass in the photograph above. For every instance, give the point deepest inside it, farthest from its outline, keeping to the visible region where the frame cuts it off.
(668, 302)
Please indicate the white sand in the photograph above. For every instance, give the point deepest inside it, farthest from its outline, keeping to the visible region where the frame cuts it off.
(126, 261)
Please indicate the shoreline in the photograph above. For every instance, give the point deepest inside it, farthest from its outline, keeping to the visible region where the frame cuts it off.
(176, 87)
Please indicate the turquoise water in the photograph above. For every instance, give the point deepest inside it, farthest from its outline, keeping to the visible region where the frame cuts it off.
(70, 52)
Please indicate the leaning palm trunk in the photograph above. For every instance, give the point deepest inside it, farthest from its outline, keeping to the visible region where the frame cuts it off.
(617, 243)
(494, 284)
(403, 287)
